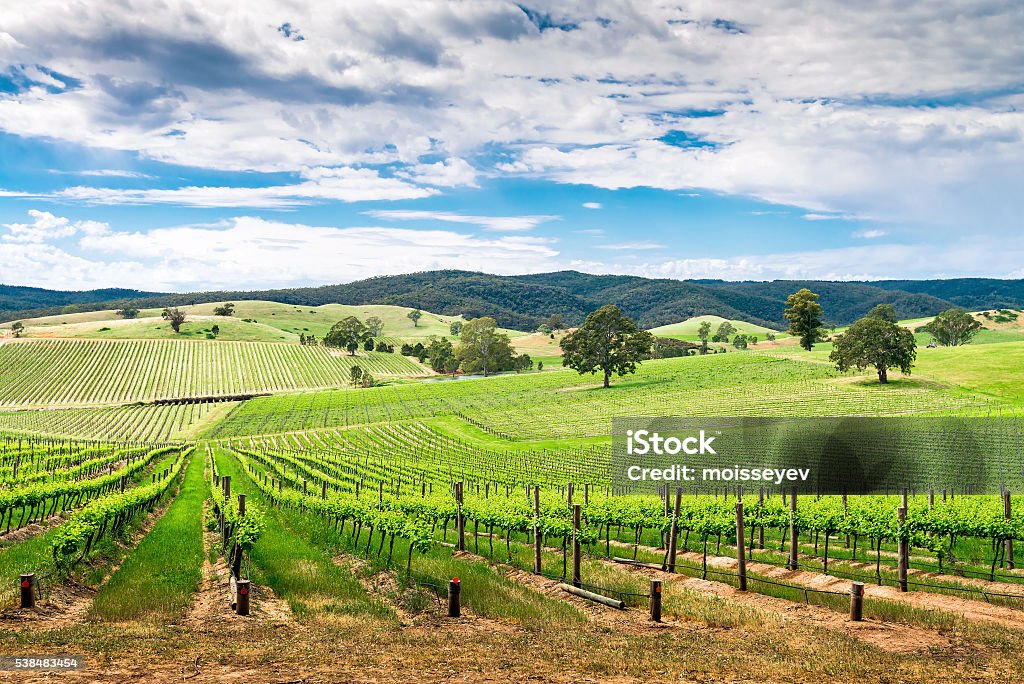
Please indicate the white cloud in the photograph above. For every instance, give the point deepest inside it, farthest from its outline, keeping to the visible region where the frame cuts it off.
(45, 227)
(254, 253)
(642, 244)
(449, 173)
(107, 173)
(495, 223)
(321, 184)
(870, 234)
(829, 217)
(591, 205)
(840, 114)
(250, 253)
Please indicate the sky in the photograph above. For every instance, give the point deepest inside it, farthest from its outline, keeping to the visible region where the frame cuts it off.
(169, 145)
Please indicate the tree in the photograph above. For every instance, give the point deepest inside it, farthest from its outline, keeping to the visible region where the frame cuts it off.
(874, 342)
(555, 322)
(770, 336)
(176, 317)
(368, 345)
(804, 315)
(415, 315)
(608, 341)
(451, 365)
(522, 362)
(374, 326)
(439, 351)
(703, 332)
(17, 328)
(885, 312)
(953, 327)
(224, 310)
(355, 374)
(740, 342)
(128, 312)
(215, 330)
(540, 365)
(724, 332)
(345, 333)
(455, 328)
(482, 349)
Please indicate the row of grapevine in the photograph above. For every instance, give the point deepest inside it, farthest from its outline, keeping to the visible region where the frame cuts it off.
(74, 372)
(134, 422)
(108, 514)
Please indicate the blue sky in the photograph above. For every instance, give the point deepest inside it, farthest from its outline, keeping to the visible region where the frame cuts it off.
(182, 146)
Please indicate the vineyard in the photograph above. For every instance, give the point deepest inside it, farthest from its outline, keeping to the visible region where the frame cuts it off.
(133, 422)
(351, 511)
(565, 405)
(68, 372)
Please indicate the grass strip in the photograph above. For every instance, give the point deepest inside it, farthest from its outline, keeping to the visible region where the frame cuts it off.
(156, 581)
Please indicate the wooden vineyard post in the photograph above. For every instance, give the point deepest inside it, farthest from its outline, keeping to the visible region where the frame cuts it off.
(760, 529)
(460, 521)
(845, 507)
(1007, 513)
(741, 557)
(538, 539)
(576, 580)
(904, 548)
(28, 593)
(673, 533)
(242, 588)
(454, 598)
(656, 600)
(794, 543)
(323, 490)
(236, 554)
(857, 601)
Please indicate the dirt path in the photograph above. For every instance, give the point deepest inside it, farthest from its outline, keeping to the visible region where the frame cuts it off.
(868, 568)
(210, 609)
(884, 635)
(972, 610)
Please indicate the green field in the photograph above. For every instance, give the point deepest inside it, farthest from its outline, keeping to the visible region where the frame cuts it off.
(350, 522)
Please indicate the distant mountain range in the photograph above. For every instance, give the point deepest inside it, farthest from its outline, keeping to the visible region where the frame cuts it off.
(523, 302)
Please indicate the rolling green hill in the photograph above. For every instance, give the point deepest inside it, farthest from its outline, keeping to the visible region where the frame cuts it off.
(259, 321)
(523, 302)
(687, 330)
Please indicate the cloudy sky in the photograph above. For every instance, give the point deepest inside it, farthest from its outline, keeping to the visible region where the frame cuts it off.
(177, 145)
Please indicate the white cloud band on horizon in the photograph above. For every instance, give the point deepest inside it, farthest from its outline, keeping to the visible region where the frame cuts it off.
(253, 253)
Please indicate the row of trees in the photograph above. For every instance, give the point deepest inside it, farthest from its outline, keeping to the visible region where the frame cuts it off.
(876, 340)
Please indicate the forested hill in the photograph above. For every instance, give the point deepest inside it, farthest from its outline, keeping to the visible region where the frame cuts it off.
(524, 301)
(14, 298)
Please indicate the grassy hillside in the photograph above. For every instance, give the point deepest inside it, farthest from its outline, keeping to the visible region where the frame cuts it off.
(37, 373)
(253, 320)
(687, 330)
